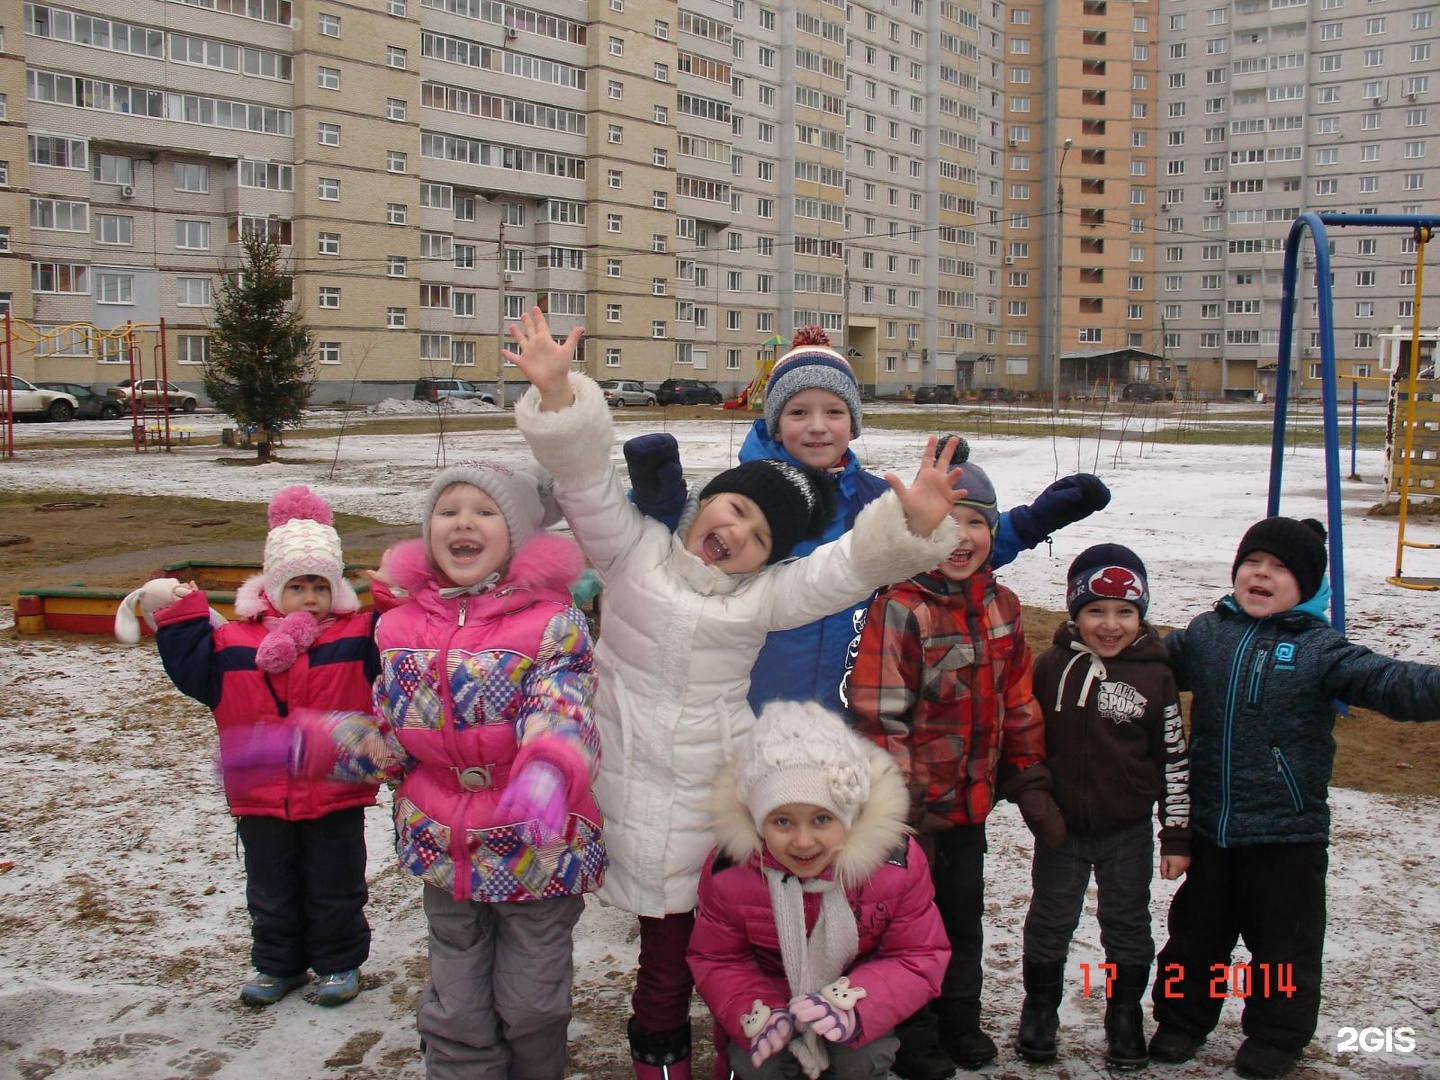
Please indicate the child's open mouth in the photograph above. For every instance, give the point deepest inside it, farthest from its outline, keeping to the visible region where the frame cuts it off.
(715, 549)
(463, 552)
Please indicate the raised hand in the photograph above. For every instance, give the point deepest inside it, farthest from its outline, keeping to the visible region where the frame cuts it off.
(928, 499)
(542, 359)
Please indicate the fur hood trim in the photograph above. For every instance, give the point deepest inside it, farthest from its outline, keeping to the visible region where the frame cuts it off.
(878, 829)
(548, 561)
(251, 601)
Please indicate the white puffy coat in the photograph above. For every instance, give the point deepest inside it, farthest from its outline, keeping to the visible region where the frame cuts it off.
(677, 642)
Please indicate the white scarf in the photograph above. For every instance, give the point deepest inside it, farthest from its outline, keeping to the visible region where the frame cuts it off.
(817, 960)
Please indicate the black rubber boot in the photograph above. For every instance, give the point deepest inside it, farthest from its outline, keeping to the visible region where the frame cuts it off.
(961, 1035)
(919, 1056)
(1040, 1012)
(1125, 1019)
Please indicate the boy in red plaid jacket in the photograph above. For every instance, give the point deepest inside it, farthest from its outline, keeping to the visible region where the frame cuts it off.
(942, 681)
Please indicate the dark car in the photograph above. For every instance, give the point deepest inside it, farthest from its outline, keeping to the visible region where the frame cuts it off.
(934, 395)
(92, 406)
(1146, 392)
(688, 392)
(995, 393)
(436, 390)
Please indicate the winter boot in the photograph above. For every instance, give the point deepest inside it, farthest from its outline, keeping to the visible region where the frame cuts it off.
(1173, 1045)
(1040, 1012)
(1259, 1060)
(919, 1056)
(1125, 1019)
(661, 1056)
(961, 1035)
(337, 988)
(265, 989)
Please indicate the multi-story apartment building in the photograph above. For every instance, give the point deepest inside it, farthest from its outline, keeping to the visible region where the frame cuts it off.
(960, 191)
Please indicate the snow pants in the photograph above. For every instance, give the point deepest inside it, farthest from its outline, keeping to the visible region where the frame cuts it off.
(869, 1062)
(498, 1002)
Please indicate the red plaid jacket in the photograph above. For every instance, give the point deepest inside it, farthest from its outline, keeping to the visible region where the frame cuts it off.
(942, 681)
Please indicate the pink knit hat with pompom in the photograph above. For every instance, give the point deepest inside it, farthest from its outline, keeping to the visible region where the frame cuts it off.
(303, 542)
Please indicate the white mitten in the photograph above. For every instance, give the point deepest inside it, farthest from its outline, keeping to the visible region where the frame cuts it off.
(146, 600)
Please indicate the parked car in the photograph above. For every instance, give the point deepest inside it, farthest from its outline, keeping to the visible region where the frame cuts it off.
(92, 406)
(688, 392)
(437, 390)
(27, 399)
(1146, 392)
(995, 393)
(622, 392)
(154, 394)
(934, 395)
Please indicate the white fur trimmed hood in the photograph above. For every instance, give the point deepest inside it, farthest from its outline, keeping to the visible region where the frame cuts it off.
(877, 830)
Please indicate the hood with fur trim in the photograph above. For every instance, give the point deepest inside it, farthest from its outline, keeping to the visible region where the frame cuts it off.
(546, 562)
(877, 830)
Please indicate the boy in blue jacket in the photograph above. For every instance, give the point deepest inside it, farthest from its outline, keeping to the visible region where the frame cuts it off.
(1266, 669)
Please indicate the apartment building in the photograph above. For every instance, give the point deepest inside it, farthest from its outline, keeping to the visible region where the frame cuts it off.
(957, 191)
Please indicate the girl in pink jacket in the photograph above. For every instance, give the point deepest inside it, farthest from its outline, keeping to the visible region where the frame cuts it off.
(817, 929)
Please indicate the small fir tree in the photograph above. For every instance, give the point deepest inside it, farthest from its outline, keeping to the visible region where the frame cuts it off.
(261, 369)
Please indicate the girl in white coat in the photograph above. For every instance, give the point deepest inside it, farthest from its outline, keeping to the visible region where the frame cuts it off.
(685, 617)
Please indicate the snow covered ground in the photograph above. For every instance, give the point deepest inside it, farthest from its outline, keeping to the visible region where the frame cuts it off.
(122, 927)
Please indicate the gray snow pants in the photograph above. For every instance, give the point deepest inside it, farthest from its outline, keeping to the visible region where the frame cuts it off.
(869, 1062)
(498, 1002)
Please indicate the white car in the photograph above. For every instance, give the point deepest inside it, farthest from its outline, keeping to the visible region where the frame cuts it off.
(27, 399)
(622, 392)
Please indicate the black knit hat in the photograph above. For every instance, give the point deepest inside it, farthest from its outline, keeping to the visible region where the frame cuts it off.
(1299, 544)
(797, 501)
(1106, 572)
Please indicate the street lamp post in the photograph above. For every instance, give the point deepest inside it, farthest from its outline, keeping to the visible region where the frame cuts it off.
(1059, 276)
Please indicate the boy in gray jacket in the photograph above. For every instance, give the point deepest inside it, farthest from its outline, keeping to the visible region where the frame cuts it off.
(1266, 669)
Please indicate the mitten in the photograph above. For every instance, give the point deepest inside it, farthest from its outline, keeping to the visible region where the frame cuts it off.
(296, 633)
(657, 483)
(536, 793)
(768, 1030)
(1066, 501)
(1042, 816)
(261, 752)
(830, 1011)
(148, 599)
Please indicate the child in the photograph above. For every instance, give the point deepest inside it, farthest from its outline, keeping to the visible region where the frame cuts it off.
(812, 413)
(482, 712)
(685, 615)
(942, 680)
(817, 927)
(1114, 745)
(1266, 670)
(301, 642)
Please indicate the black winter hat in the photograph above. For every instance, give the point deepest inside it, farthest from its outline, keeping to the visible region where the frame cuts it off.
(1106, 572)
(1299, 544)
(797, 501)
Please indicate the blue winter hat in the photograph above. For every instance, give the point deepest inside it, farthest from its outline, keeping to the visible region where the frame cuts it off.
(811, 365)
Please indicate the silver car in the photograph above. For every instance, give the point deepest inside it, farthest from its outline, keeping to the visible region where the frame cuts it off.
(622, 392)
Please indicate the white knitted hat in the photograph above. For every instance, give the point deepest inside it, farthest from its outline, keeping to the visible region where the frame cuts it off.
(303, 541)
(801, 752)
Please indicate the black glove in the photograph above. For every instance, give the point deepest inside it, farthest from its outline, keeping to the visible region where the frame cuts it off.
(1042, 816)
(1066, 501)
(657, 483)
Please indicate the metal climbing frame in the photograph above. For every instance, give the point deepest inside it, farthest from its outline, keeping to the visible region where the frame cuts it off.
(1423, 226)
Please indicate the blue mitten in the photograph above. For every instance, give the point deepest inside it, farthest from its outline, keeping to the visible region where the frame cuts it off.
(657, 482)
(1066, 501)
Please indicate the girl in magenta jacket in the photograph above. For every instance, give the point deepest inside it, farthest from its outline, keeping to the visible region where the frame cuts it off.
(482, 713)
(817, 929)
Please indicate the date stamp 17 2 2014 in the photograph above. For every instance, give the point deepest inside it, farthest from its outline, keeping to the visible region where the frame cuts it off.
(1241, 980)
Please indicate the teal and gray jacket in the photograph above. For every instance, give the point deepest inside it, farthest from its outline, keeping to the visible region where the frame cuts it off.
(1261, 741)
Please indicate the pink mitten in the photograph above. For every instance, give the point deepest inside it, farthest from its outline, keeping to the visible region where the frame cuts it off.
(261, 752)
(283, 645)
(769, 1031)
(536, 793)
(830, 1011)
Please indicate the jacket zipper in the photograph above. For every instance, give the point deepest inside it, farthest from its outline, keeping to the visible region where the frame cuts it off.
(1283, 767)
(1257, 676)
(1227, 733)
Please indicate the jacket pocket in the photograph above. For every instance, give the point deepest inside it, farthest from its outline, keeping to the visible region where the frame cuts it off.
(1283, 767)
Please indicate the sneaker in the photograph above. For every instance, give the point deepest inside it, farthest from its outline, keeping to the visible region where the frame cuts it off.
(265, 989)
(1172, 1045)
(338, 988)
(971, 1049)
(1257, 1060)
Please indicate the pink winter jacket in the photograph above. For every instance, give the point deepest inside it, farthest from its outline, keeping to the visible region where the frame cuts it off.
(518, 688)
(735, 948)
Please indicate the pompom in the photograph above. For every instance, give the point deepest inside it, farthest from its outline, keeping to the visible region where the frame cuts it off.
(810, 334)
(1315, 527)
(298, 501)
(962, 451)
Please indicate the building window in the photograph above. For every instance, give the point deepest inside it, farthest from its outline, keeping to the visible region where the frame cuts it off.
(612, 313)
(617, 46)
(327, 188)
(328, 134)
(328, 78)
(114, 288)
(114, 229)
(657, 328)
(612, 357)
(329, 297)
(614, 223)
(396, 57)
(396, 108)
(329, 243)
(328, 352)
(192, 291)
(329, 25)
(396, 266)
(195, 178)
(395, 318)
(395, 213)
(395, 161)
(193, 348)
(192, 234)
